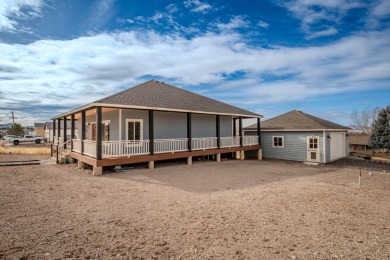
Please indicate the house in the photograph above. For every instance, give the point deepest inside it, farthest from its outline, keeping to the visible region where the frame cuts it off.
(358, 141)
(39, 129)
(49, 130)
(302, 137)
(154, 121)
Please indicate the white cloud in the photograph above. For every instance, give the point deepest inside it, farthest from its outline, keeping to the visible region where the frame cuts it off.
(13, 10)
(327, 32)
(263, 24)
(235, 22)
(316, 11)
(197, 6)
(75, 72)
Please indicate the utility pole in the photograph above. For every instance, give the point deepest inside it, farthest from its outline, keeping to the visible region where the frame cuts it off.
(13, 118)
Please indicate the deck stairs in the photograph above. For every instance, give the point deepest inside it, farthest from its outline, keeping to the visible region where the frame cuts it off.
(60, 152)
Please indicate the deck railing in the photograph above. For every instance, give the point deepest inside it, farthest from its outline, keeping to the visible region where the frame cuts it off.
(90, 148)
(204, 143)
(127, 148)
(170, 145)
(250, 140)
(230, 141)
(76, 145)
(58, 140)
(123, 148)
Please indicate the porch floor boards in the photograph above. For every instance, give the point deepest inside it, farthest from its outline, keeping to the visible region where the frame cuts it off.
(156, 157)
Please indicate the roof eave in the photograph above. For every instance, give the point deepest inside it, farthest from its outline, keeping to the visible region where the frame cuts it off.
(76, 110)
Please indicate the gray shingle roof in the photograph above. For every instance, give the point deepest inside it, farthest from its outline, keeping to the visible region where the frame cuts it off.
(297, 120)
(39, 124)
(157, 94)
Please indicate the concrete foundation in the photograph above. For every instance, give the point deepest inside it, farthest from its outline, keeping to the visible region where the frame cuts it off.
(189, 160)
(97, 171)
(260, 154)
(81, 165)
(238, 155)
(218, 157)
(242, 155)
(151, 165)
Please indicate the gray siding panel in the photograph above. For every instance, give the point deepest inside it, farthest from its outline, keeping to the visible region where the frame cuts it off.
(226, 126)
(170, 125)
(204, 125)
(295, 145)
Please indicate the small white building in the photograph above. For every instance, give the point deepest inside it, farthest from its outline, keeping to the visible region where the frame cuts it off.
(298, 136)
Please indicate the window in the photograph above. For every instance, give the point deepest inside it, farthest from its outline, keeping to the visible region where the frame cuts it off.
(105, 130)
(278, 141)
(134, 129)
(313, 143)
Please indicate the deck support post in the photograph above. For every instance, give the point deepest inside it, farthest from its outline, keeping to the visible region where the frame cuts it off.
(98, 133)
(151, 165)
(189, 160)
(218, 157)
(151, 132)
(58, 130)
(81, 165)
(65, 127)
(259, 130)
(260, 154)
(82, 131)
(238, 155)
(54, 130)
(242, 157)
(218, 128)
(240, 130)
(71, 131)
(97, 171)
(189, 132)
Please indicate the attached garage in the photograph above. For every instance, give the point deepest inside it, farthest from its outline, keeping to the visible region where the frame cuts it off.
(298, 136)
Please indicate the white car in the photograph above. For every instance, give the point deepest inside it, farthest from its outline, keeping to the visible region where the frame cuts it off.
(25, 138)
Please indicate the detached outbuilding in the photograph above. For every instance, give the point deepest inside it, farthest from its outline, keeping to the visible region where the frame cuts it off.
(298, 136)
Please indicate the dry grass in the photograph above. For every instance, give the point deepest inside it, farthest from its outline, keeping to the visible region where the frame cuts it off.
(24, 150)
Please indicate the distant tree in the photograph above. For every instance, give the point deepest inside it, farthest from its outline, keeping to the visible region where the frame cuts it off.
(380, 135)
(16, 129)
(362, 120)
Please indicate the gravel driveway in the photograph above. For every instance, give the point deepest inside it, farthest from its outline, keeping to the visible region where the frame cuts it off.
(229, 210)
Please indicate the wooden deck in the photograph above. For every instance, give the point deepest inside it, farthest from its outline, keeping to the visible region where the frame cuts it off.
(157, 157)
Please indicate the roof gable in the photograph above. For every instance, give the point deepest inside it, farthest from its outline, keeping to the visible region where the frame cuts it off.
(297, 120)
(155, 94)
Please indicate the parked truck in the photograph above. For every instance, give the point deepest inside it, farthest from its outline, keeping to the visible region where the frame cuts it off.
(25, 138)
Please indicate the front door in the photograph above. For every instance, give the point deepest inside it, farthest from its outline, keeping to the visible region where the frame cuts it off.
(313, 149)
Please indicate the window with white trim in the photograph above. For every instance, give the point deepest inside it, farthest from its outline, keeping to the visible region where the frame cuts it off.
(134, 129)
(105, 130)
(278, 141)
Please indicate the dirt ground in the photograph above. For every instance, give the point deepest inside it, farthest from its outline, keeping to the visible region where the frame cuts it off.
(229, 210)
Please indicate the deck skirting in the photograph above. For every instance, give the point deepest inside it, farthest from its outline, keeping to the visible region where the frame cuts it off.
(157, 157)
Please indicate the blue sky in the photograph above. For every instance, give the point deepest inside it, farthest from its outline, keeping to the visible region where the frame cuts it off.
(325, 58)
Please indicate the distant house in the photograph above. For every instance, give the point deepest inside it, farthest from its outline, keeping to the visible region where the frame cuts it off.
(302, 137)
(154, 121)
(49, 131)
(39, 129)
(358, 141)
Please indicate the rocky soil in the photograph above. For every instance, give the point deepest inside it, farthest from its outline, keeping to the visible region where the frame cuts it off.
(229, 210)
